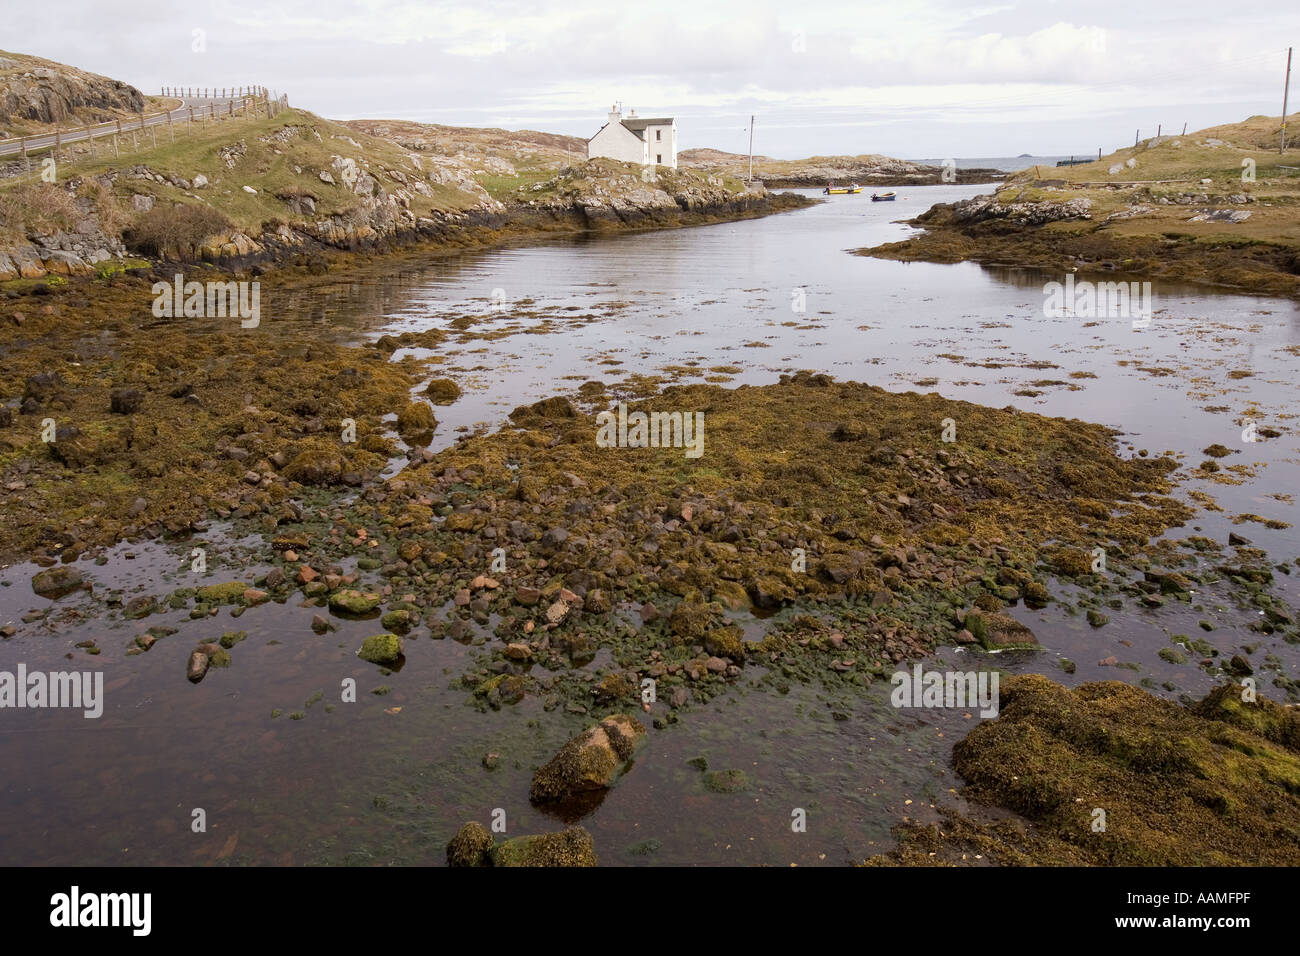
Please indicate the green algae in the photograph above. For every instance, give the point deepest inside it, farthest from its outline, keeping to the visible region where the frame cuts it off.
(726, 781)
(232, 592)
(381, 649)
(231, 638)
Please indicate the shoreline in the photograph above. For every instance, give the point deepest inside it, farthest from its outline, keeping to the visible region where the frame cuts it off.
(1248, 266)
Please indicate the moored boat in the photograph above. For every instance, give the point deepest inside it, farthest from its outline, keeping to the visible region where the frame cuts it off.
(832, 190)
(882, 197)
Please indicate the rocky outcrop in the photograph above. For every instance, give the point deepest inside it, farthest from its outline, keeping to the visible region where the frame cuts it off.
(43, 92)
(592, 195)
(985, 208)
(65, 252)
(600, 196)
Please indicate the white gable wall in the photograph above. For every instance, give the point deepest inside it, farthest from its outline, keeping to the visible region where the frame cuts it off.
(616, 141)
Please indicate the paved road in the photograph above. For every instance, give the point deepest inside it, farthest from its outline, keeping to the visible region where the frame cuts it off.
(181, 113)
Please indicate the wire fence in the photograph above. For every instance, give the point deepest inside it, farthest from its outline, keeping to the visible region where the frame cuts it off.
(29, 156)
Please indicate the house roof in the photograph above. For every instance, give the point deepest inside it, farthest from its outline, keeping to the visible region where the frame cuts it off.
(637, 125)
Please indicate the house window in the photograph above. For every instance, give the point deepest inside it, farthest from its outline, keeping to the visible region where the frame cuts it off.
(659, 134)
(659, 159)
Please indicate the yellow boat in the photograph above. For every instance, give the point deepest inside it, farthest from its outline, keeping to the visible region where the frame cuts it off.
(841, 190)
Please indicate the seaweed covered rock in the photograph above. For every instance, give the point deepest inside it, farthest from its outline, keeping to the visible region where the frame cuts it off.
(416, 419)
(352, 601)
(316, 463)
(690, 620)
(442, 391)
(589, 762)
(998, 631)
(470, 846)
(1214, 784)
(572, 846)
(381, 649)
(473, 845)
(548, 408)
(230, 592)
(1262, 717)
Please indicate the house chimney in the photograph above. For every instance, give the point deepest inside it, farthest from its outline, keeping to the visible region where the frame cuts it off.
(614, 114)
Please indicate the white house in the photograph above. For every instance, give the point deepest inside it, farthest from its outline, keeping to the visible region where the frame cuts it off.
(635, 140)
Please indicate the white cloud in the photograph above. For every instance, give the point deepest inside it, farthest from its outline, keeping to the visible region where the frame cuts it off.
(900, 78)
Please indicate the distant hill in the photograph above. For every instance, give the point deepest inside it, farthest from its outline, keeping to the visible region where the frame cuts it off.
(869, 169)
(713, 157)
(451, 140)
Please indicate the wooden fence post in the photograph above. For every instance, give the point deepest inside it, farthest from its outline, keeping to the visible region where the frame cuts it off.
(27, 163)
(170, 128)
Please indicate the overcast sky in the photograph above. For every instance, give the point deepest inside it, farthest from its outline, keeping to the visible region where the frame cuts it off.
(920, 78)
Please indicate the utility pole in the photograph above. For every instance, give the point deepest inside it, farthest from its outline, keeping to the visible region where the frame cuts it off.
(1286, 89)
(751, 147)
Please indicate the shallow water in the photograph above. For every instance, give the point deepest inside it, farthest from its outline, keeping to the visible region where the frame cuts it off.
(369, 783)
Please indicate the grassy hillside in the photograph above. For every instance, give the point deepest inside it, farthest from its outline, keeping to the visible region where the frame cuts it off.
(1166, 169)
(281, 159)
(260, 173)
(1220, 206)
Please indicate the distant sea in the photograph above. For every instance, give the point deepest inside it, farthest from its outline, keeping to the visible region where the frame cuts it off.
(1009, 164)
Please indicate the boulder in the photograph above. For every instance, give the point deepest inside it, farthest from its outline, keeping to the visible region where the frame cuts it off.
(197, 666)
(57, 581)
(570, 847)
(381, 649)
(998, 631)
(592, 761)
(470, 846)
(351, 601)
